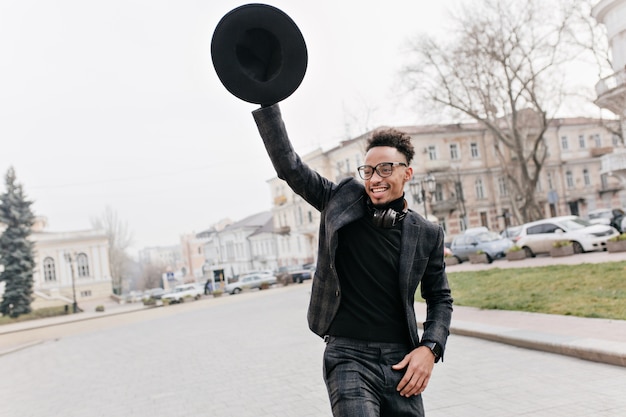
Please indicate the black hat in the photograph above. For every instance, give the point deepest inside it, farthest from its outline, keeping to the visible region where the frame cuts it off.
(259, 53)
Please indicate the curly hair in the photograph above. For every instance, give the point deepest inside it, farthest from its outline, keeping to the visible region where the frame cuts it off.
(395, 139)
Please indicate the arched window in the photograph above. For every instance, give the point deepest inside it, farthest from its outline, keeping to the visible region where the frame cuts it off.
(82, 264)
(49, 271)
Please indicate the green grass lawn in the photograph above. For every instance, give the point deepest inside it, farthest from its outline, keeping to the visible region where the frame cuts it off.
(587, 290)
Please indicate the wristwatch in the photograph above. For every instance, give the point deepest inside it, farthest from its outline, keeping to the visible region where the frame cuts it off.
(434, 348)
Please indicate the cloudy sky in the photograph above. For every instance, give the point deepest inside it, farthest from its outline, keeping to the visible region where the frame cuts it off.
(117, 104)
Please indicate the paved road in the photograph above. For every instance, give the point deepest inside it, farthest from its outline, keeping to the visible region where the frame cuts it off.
(253, 355)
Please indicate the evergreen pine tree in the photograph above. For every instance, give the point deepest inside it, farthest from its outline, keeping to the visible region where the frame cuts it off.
(16, 251)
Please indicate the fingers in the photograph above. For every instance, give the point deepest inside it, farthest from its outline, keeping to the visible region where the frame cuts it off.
(415, 385)
(419, 366)
(402, 364)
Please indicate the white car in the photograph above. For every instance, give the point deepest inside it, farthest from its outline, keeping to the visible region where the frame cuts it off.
(183, 291)
(250, 281)
(539, 237)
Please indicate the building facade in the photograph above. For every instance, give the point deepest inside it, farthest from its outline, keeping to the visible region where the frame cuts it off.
(70, 266)
(611, 90)
(470, 186)
(238, 248)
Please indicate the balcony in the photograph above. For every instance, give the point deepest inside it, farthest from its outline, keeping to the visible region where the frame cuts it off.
(444, 206)
(596, 152)
(283, 230)
(615, 164)
(436, 165)
(611, 92)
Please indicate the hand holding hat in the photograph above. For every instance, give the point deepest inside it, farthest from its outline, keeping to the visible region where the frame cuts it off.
(259, 54)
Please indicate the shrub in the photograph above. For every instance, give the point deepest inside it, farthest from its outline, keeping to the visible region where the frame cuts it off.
(618, 238)
(217, 293)
(514, 248)
(99, 308)
(561, 243)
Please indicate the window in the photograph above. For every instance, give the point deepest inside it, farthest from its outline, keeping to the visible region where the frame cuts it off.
(82, 264)
(581, 141)
(432, 153)
(550, 183)
(474, 150)
(480, 190)
(615, 139)
(564, 143)
(462, 225)
(442, 223)
(49, 271)
(598, 140)
(604, 180)
(454, 151)
(502, 186)
(586, 177)
(569, 179)
(438, 192)
(86, 293)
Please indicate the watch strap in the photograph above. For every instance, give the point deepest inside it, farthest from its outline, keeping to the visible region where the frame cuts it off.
(434, 348)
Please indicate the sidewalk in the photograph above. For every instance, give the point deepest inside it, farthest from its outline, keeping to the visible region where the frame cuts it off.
(599, 340)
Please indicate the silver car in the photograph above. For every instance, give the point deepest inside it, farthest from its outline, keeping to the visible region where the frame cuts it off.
(250, 281)
(470, 242)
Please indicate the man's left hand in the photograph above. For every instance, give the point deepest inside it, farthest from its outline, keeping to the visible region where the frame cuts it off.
(419, 365)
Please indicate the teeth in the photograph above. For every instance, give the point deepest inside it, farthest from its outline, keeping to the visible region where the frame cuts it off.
(377, 190)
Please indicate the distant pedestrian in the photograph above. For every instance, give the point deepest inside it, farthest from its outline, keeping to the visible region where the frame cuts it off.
(208, 287)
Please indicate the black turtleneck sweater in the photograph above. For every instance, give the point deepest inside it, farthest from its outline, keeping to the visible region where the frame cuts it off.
(367, 265)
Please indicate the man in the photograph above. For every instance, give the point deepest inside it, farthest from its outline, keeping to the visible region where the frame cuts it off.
(373, 252)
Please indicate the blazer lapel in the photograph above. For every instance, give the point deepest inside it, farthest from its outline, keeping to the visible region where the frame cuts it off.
(410, 233)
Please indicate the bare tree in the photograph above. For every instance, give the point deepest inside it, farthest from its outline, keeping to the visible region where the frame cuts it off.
(151, 275)
(120, 240)
(504, 68)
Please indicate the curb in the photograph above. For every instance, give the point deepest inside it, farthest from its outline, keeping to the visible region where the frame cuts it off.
(612, 353)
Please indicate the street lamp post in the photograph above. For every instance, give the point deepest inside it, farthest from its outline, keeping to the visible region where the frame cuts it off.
(69, 259)
(418, 189)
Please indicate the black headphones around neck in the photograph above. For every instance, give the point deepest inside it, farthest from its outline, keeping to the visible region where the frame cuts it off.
(387, 217)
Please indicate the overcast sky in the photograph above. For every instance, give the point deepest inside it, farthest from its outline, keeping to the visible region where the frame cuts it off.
(116, 103)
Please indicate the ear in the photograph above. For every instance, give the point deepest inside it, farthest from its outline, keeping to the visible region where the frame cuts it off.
(408, 174)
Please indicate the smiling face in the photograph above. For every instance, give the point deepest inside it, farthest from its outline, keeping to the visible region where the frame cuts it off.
(384, 190)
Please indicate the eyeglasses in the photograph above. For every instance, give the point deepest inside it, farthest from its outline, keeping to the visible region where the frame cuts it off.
(384, 169)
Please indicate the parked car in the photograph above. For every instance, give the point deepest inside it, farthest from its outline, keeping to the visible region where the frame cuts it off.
(511, 232)
(491, 243)
(539, 236)
(250, 281)
(183, 291)
(133, 297)
(296, 273)
(614, 217)
(155, 293)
